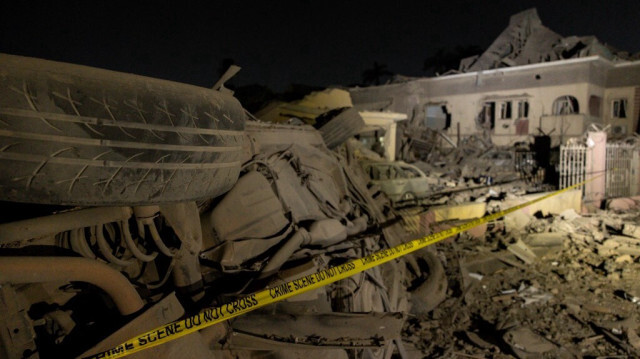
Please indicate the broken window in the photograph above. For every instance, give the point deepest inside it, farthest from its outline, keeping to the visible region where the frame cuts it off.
(594, 105)
(565, 105)
(395, 173)
(373, 140)
(620, 108)
(437, 117)
(373, 172)
(410, 172)
(505, 110)
(523, 109)
(385, 172)
(486, 118)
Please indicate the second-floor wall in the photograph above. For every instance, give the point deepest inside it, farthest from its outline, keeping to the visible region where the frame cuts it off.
(561, 99)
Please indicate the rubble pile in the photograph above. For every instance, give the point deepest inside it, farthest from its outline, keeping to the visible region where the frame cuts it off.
(234, 205)
(526, 40)
(472, 162)
(562, 286)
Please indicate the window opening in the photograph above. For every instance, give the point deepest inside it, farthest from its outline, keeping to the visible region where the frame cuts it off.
(565, 105)
(620, 108)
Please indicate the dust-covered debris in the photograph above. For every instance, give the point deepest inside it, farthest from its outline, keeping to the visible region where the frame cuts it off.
(565, 298)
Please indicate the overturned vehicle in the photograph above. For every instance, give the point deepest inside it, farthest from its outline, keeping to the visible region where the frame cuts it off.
(133, 202)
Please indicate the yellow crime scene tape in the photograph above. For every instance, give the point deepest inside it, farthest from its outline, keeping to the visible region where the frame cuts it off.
(215, 315)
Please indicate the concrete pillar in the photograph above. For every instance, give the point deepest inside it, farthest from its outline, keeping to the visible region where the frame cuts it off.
(596, 166)
(635, 172)
(390, 142)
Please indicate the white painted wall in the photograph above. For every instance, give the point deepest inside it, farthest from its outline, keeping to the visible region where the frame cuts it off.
(465, 108)
(628, 124)
(387, 121)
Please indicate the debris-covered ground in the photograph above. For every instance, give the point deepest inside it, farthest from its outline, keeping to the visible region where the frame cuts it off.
(562, 286)
(115, 242)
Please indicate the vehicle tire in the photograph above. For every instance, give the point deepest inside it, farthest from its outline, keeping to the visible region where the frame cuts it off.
(433, 290)
(77, 135)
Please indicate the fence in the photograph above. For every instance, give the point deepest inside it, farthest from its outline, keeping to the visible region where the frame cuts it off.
(527, 168)
(618, 178)
(622, 177)
(573, 164)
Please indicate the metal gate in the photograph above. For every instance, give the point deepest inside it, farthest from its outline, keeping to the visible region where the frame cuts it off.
(573, 164)
(528, 169)
(618, 178)
(622, 168)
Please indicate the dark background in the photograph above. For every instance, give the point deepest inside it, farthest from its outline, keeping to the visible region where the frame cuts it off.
(279, 43)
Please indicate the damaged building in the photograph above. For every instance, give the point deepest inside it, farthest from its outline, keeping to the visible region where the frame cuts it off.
(145, 218)
(530, 81)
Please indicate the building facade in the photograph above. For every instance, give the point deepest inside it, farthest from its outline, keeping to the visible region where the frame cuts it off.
(560, 98)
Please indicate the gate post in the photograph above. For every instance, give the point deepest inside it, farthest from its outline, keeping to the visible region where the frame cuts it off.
(596, 166)
(635, 171)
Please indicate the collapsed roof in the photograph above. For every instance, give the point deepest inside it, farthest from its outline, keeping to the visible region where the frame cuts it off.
(526, 41)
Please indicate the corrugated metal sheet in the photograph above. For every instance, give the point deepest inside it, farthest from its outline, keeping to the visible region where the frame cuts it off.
(342, 127)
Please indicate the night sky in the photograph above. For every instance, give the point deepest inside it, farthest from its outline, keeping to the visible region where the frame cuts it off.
(282, 42)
